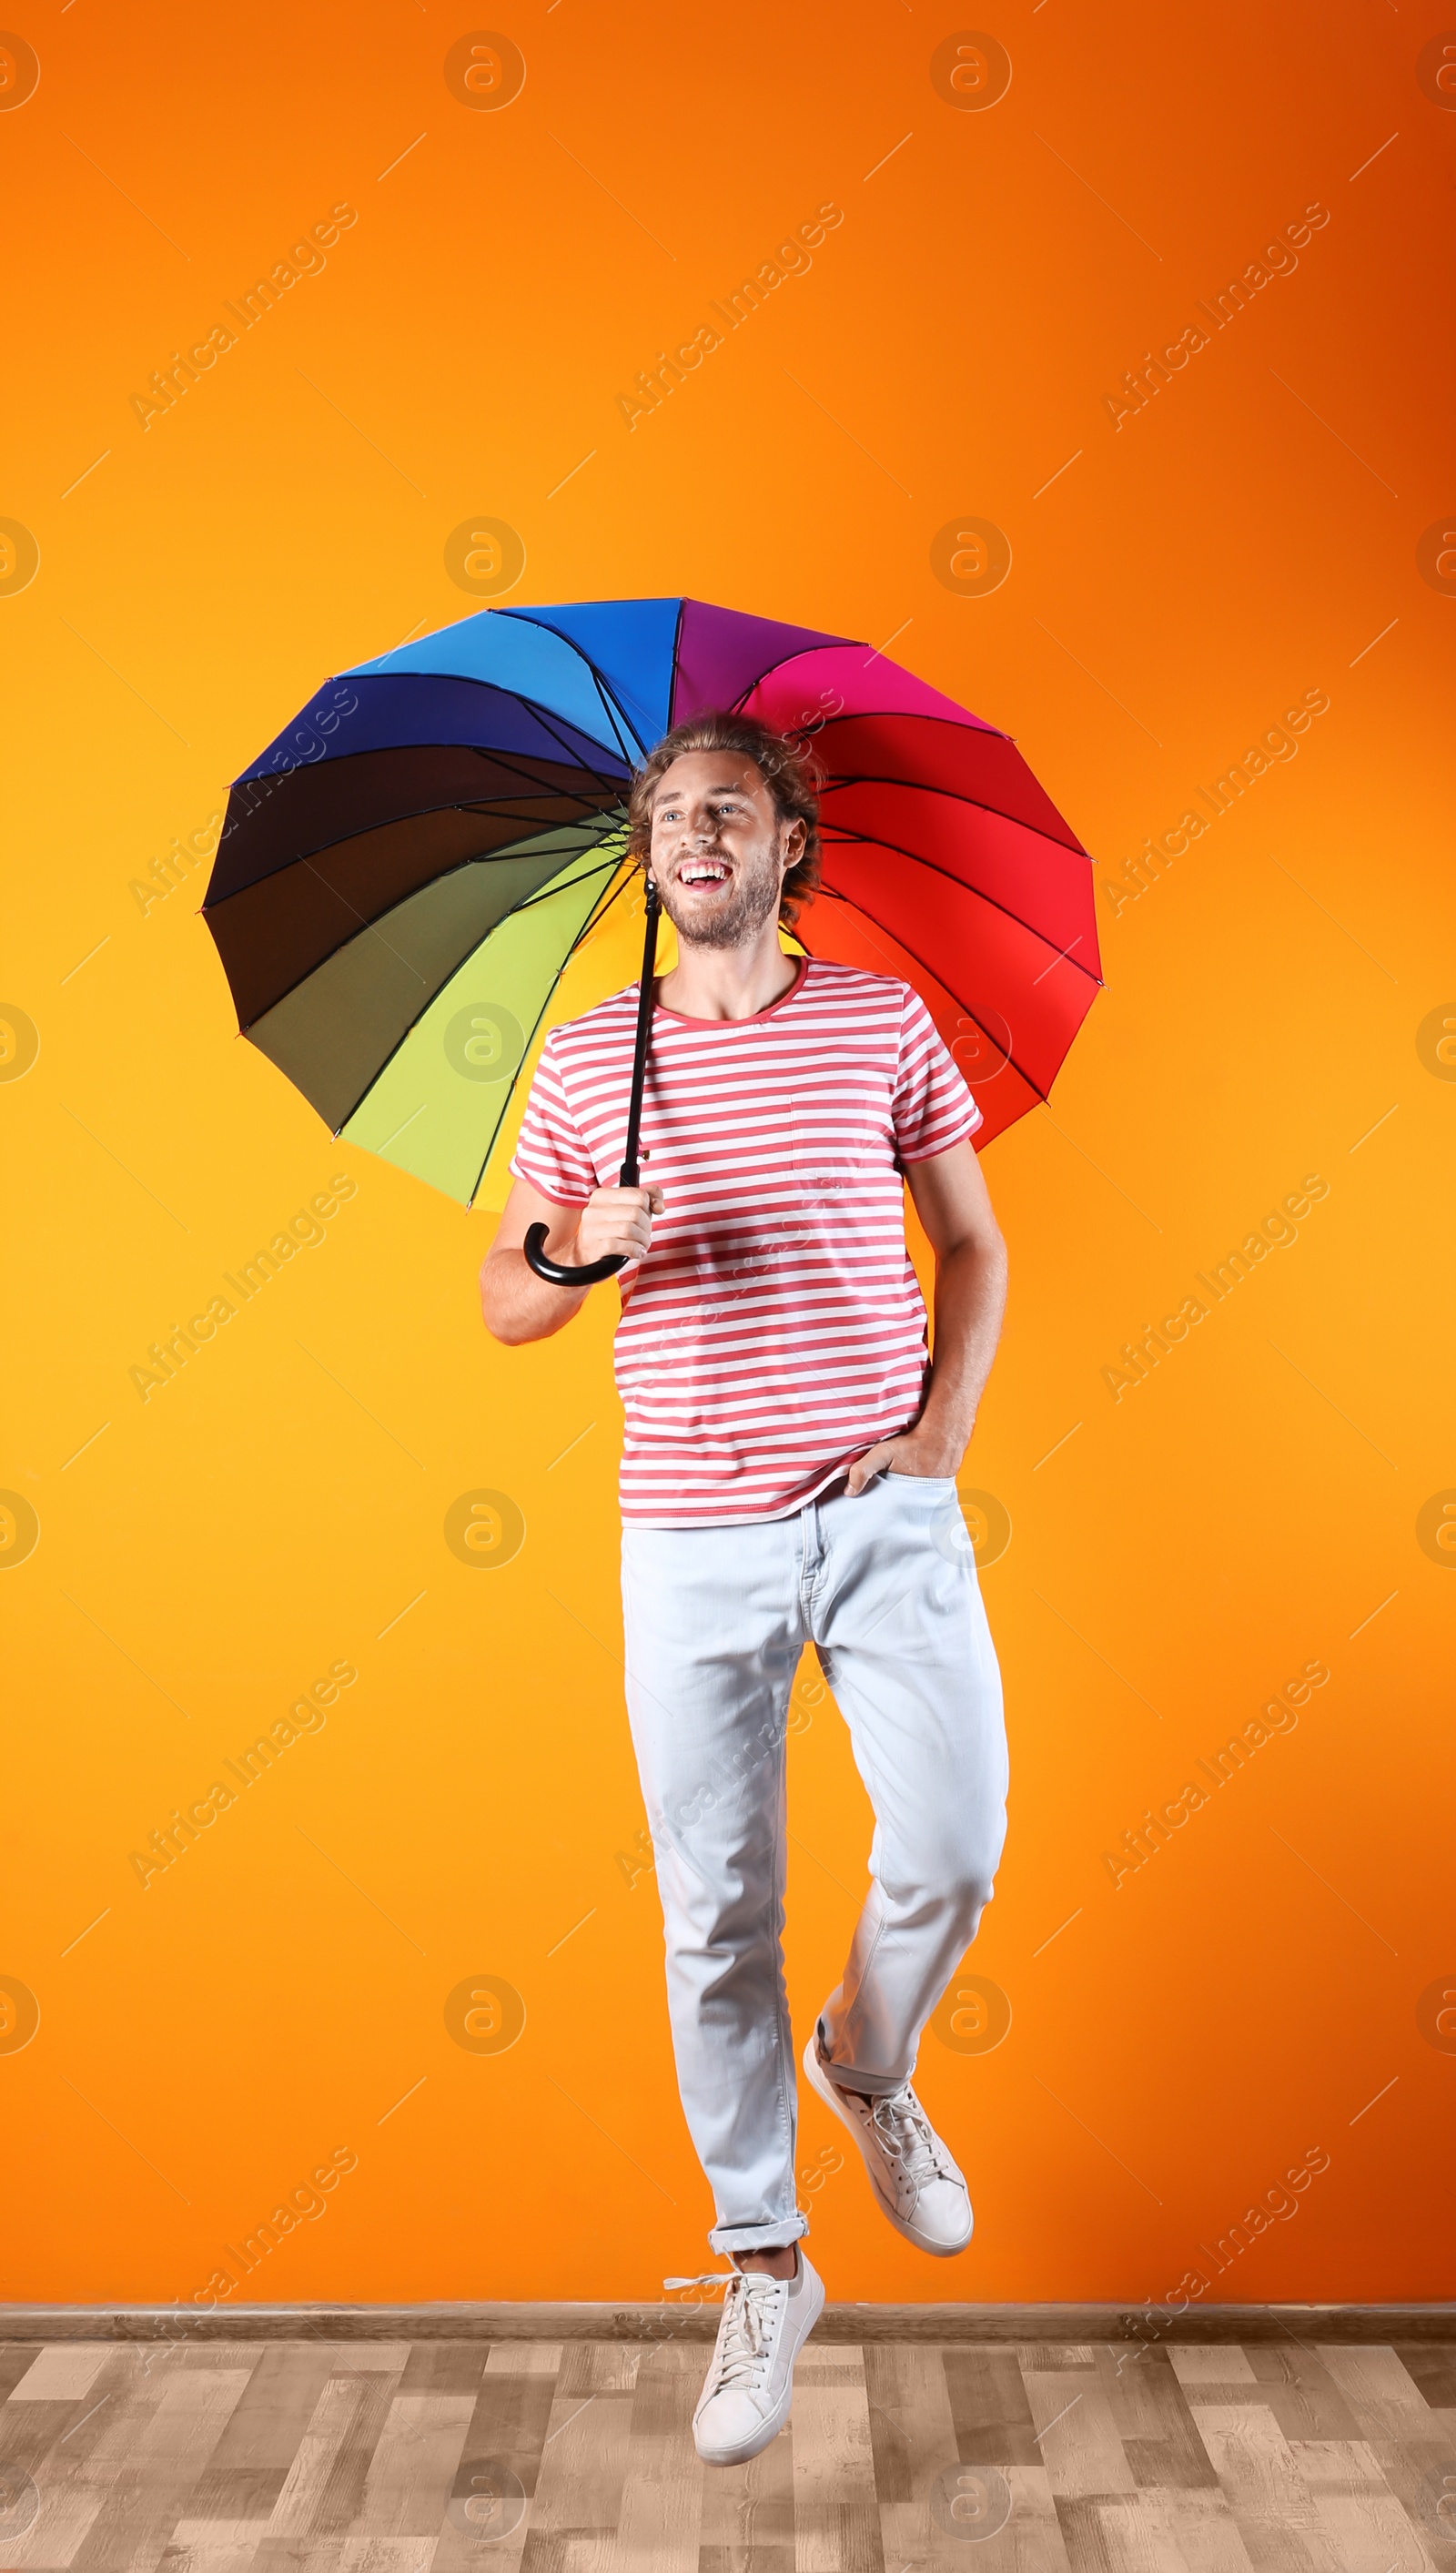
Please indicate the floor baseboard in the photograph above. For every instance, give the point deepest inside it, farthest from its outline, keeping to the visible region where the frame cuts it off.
(860, 2323)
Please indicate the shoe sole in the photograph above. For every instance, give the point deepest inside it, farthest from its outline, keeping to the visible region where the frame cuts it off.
(819, 2083)
(740, 2455)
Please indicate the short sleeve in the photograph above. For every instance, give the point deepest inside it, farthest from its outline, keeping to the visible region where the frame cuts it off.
(550, 1150)
(931, 1107)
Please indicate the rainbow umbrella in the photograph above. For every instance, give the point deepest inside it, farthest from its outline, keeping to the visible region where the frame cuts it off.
(428, 869)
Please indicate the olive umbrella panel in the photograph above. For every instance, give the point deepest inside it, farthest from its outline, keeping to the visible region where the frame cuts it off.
(405, 873)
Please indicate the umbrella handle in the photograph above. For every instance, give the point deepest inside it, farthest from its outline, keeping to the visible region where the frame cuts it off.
(537, 1259)
(553, 1270)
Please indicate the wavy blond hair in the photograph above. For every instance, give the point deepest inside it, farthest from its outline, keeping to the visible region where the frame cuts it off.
(788, 768)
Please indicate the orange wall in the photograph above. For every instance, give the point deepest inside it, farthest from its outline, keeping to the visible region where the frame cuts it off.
(1268, 1985)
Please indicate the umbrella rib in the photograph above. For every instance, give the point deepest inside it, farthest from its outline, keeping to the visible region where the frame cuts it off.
(952, 795)
(611, 712)
(804, 652)
(927, 968)
(546, 716)
(878, 714)
(875, 840)
(674, 665)
(604, 689)
(917, 715)
(407, 1033)
(549, 719)
(548, 893)
(598, 912)
(454, 804)
(371, 927)
(509, 758)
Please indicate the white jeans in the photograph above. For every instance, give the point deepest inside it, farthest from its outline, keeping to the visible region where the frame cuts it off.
(885, 1587)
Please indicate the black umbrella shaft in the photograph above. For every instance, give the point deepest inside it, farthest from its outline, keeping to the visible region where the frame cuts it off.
(630, 1172)
(534, 1247)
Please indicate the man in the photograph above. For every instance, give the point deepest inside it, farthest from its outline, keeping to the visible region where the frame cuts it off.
(788, 1477)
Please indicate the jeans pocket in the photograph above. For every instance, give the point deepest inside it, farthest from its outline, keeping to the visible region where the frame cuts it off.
(928, 1482)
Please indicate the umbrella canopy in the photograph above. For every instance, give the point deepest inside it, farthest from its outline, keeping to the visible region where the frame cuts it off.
(405, 873)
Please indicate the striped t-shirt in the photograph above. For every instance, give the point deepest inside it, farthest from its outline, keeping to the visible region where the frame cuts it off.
(776, 1327)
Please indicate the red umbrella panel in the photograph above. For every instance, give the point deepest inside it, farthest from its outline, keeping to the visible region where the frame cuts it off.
(945, 863)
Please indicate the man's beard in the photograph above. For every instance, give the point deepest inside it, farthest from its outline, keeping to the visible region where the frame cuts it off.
(754, 899)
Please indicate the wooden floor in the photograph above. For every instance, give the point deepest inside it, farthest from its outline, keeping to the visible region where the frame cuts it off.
(577, 2457)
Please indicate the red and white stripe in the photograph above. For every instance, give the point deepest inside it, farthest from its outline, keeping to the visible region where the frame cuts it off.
(776, 1329)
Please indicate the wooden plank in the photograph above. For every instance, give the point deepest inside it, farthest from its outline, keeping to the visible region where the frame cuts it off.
(227, 2517)
(324, 2490)
(444, 2368)
(269, 2419)
(63, 2373)
(1338, 2465)
(1150, 2415)
(1200, 2367)
(233, 2496)
(32, 2430)
(1271, 2503)
(1024, 2532)
(659, 2530)
(582, 2469)
(836, 2509)
(829, 2366)
(571, 2550)
(921, 2468)
(750, 2557)
(1032, 2540)
(1432, 2367)
(598, 2367)
(69, 2502)
(506, 2440)
(990, 2407)
(1301, 2394)
(413, 2465)
(1201, 2531)
(15, 2358)
(487, 2498)
(1421, 2473)
(1164, 2532)
(216, 2546)
(1362, 2516)
(747, 2523)
(359, 2554)
(91, 2443)
(336, 2554)
(149, 2492)
(1076, 2436)
(1384, 2398)
(1130, 2535)
(912, 2426)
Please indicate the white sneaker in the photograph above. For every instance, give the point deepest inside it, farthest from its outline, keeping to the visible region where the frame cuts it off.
(750, 2386)
(919, 2187)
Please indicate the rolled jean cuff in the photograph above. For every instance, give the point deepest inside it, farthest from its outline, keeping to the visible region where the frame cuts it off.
(873, 2086)
(775, 2236)
(878, 2085)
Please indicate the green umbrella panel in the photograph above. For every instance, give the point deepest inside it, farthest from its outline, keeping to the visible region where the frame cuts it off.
(428, 1089)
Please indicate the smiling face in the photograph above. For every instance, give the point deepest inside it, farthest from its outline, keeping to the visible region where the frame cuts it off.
(719, 851)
